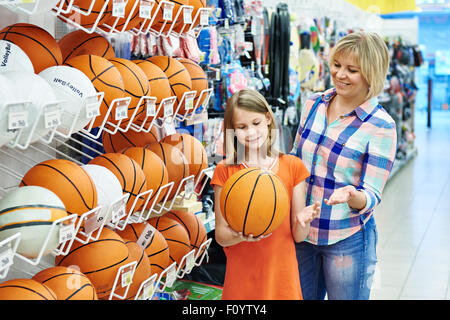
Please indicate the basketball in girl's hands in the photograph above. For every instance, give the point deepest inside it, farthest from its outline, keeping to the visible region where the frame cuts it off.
(130, 175)
(99, 13)
(120, 140)
(25, 289)
(254, 201)
(67, 283)
(36, 42)
(192, 149)
(68, 180)
(106, 78)
(98, 259)
(79, 42)
(175, 162)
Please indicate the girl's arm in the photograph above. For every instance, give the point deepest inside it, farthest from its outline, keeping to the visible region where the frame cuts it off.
(301, 216)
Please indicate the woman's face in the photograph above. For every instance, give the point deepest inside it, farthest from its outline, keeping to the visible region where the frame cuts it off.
(251, 128)
(347, 77)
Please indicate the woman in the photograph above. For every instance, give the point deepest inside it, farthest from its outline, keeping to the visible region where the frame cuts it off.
(347, 142)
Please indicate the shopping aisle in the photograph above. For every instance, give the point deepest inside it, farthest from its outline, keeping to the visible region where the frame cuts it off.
(413, 220)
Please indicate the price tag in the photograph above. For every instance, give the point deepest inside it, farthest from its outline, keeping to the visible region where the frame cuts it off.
(168, 108)
(171, 275)
(121, 110)
(118, 211)
(190, 261)
(92, 107)
(126, 276)
(187, 15)
(148, 289)
(6, 257)
(16, 1)
(146, 236)
(151, 107)
(17, 116)
(52, 117)
(66, 232)
(168, 11)
(189, 188)
(204, 18)
(169, 126)
(145, 9)
(189, 102)
(118, 10)
(92, 223)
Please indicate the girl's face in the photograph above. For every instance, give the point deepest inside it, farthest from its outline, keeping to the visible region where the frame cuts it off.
(251, 128)
(347, 77)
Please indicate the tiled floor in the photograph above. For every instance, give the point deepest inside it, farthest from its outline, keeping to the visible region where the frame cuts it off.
(413, 220)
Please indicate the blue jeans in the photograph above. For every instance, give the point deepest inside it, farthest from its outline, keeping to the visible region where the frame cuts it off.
(343, 270)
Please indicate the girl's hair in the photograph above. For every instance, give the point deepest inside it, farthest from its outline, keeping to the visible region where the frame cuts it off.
(372, 55)
(250, 100)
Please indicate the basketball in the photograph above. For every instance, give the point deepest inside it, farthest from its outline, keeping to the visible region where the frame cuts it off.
(71, 86)
(69, 181)
(120, 140)
(197, 4)
(6, 96)
(175, 162)
(31, 210)
(178, 76)
(192, 149)
(106, 78)
(28, 86)
(159, 21)
(157, 249)
(141, 273)
(198, 78)
(159, 84)
(135, 86)
(37, 43)
(98, 259)
(176, 236)
(109, 189)
(25, 289)
(67, 283)
(194, 226)
(100, 12)
(79, 42)
(13, 58)
(254, 201)
(154, 169)
(129, 173)
(132, 22)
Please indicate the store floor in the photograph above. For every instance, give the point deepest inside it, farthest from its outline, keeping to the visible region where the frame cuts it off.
(413, 220)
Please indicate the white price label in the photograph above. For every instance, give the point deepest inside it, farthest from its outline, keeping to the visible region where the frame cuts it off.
(118, 211)
(168, 109)
(169, 126)
(6, 257)
(187, 15)
(92, 223)
(148, 290)
(16, 1)
(52, 118)
(171, 275)
(151, 108)
(189, 188)
(146, 236)
(190, 261)
(145, 9)
(189, 102)
(92, 107)
(126, 276)
(168, 11)
(119, 8)
(66, 233)
(121, 111)
(204, 18)
(17, 120)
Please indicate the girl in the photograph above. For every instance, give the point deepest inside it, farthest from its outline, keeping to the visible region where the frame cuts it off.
(263, 268)
(348, 143)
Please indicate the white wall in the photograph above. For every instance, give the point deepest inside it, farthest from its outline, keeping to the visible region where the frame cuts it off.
(408, 29)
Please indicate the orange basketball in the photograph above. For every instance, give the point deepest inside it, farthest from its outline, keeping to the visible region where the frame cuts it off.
(192, 149)
(67, 283)
(78, 42)
(197, 4)
(176, 236)
(159, 21)
(194, 226)
(157, 249)
(179, 77)
(141, 273)
(99, 260)
(132, 22)
(69, 181)
(88, 21)
(198, 78)
(175, 162)
(39, 45)
(106, 78)
(159, 84)
(254, 201)
(25, 289)
(129, 173)
(135, 84)
(120, 140)
(154, 169)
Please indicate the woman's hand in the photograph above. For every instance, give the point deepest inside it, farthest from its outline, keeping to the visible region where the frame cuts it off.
(341, 195)
(308, 214)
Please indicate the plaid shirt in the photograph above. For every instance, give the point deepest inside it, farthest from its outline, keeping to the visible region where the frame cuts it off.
(356, 149)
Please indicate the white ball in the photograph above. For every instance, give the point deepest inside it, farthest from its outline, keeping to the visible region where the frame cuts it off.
(71, 85)
(31, 210)
(13, 58)
(6, 96)
(40, 7)
(29, 86)
(108, 186)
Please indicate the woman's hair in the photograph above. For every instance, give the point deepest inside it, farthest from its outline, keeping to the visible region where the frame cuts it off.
(372, 55)
(249, 100)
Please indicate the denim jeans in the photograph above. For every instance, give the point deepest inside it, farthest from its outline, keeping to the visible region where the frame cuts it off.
(343, 270)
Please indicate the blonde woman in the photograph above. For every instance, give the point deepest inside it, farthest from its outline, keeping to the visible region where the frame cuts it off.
(262, 268)
(347, 142)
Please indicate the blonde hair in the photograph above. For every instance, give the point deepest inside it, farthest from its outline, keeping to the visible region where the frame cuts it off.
(250, 100)
(372, 55)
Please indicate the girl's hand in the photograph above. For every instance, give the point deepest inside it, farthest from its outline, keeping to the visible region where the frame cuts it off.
(248, 238)
(341, 195)
(308, 214)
